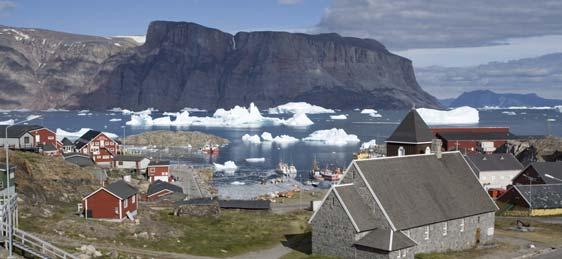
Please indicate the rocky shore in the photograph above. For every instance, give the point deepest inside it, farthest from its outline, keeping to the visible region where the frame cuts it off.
(163, 138)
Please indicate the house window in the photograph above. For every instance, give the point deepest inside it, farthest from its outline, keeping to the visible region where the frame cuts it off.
(26, 140)
(445, 225)
(151, 169)
(462, 225)
(404, 253)
(401, 151)
(51, 137)
(133, 199)
(398, 254)
(427, 150)
(96, 143)
(120, 162)
(105, 157)
(426, 233)
(107, 143)
(116, 210)
(125, 203)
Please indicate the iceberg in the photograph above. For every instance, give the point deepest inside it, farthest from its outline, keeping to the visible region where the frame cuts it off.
(369, 144)
(299, 107)
(188, 109)
(266, 136)
(238, 183)
(115, 119)
(285, 139)
(73, 135)
(509, 113)
(334, 136)
(461, 115)
(7, 122)
(371, 112)
(254, 139)
(298, 120)
(559, 108)
(228, 166)
(338, 117)
(255, 160)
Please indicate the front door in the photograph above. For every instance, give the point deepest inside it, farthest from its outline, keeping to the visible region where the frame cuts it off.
(478, 236)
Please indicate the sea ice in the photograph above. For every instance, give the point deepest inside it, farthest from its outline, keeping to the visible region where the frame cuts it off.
(7, 122)
(338, 117)
(228, 166)
(509, 113)
(299, 107)
(237, 183)
(255, 160)
(371, 112)
(254, 139)
(115, 119)
(285, 139)
(461, 115)
(266, 136)
(336, 137)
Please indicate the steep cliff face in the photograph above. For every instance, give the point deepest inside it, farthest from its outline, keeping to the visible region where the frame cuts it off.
(185, 64)
(47, 69)
(188, 65)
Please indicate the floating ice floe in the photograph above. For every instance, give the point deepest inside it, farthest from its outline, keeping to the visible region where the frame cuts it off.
(299, 107)
(285, 139)
(188, 109)
(551, 119)
(72, 135)
(55, 110)
(338, 117)
(298, 120)
(7, 122)
(559, 108)
(369, 144)
(235, 117)
(254, 139)
(228, 166)
(266, 136)
(509, 113)
(336, 137)
(238, 183)
(371, 112)
(115, 119)
(461, 115)
(255, 160)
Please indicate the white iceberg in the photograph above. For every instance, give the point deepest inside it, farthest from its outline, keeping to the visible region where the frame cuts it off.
(509, 113)
(188, 109)
(228, 166)
(559, 108)
(299, 107)
(115, 119)
(369, 144)
(298, 120)
(266, 136)
(338, 117)
(551, 119)
(334, 136)
(371, 112)
(285, 139)
(238, 183)
(255, 160)
(254, 139)
(73, 135)
(7, 122)
(55, 110)
(461, 115)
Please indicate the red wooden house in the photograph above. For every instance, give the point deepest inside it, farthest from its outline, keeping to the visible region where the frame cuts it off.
(159, 170)
(468, 140)
(116, 201)
(100, 147)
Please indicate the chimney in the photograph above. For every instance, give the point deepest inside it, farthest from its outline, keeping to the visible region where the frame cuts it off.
(436, 146)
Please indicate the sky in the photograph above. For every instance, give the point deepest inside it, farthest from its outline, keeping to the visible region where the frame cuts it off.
(452, 43)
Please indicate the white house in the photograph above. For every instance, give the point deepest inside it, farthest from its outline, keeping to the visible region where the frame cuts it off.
(494, 171)
(137, 163)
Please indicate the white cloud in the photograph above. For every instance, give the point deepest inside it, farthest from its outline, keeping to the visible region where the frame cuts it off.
(406, 24)
(289, 2)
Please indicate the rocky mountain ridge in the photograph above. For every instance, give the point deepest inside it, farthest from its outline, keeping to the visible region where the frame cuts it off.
(482, 98)
(185, 64)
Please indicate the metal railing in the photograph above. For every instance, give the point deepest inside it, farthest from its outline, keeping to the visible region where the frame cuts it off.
(26, 241)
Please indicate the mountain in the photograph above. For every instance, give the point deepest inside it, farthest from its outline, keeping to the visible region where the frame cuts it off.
(481, 98)
(447, 101)
(184, 64)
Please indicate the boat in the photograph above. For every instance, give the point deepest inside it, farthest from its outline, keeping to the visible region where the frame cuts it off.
(286, 169)
(315, 172)
(332, 175)
(210, 149)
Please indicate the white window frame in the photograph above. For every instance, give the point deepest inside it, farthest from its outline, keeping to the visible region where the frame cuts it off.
(426, 233)
(462, 225)
(445, 226)
(401, 151)
(125, 203)
(133, 199)
(399, 254)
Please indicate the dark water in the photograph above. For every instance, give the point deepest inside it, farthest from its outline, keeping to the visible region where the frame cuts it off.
(301, 154)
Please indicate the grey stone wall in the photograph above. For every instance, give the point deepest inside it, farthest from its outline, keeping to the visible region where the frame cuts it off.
(332, 231)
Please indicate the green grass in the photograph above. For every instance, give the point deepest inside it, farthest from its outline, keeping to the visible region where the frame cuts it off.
(233, 233)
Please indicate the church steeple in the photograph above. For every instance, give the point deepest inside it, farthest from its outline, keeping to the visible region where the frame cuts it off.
(412, 136)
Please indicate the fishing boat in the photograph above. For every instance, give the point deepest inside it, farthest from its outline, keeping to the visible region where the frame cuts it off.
(332, 175)
(315, 172)
(286, 169)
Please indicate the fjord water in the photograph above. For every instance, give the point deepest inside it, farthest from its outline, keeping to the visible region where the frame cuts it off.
(301, 154)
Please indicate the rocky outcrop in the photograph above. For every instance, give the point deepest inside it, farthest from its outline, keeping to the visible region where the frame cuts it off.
(188, 65)
(46, 69)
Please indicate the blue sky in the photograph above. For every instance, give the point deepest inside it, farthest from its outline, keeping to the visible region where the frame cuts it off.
(128, 17)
